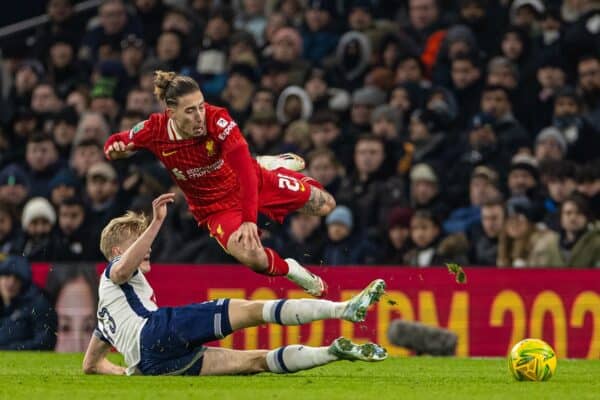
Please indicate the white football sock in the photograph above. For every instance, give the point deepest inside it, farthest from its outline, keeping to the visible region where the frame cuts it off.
(301, 311)
(296, 357)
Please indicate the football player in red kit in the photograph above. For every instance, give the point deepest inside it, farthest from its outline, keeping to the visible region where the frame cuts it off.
(206, 155)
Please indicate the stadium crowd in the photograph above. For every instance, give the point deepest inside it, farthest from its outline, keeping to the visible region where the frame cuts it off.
(465, 131)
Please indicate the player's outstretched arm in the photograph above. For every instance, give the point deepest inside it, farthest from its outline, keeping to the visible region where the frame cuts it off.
(119, 146)
(131, 259)
(95, 361)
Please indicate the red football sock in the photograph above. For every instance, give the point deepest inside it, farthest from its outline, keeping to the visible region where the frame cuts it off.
(277, 265)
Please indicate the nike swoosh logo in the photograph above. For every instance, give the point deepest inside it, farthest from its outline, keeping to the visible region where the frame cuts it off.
(168, 153)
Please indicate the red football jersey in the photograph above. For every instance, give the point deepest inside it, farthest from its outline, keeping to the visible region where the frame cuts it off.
(196, 164)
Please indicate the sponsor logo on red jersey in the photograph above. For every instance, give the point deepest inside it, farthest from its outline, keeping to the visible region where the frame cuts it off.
(222, 122)
(227, 130)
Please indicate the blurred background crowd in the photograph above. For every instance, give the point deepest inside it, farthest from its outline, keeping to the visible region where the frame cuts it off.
(448, 130)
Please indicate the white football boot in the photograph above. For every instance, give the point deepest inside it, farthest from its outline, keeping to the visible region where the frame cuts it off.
(344, 349)
(289, 161)
(308, 281)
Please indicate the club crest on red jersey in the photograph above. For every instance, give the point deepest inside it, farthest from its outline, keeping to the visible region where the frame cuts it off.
(210, 147)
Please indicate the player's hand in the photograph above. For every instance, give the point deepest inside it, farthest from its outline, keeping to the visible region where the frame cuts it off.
(159, 206)
(119, 150)
(247, 235)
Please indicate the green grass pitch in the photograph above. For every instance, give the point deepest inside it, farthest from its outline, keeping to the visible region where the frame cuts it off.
(51, 376)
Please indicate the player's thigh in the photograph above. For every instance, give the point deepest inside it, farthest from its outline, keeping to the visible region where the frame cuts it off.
(218, 361)
(282, 192)
(222, 224)
(245, 313)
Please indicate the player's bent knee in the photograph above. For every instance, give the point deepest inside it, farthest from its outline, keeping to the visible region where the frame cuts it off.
(329, 205)
(255, 259)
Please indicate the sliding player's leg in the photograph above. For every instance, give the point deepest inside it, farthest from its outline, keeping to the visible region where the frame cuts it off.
(248, 313)
(286, 359)
(263, 260)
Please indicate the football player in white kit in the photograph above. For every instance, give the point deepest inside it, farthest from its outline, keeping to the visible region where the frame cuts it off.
(169, 340)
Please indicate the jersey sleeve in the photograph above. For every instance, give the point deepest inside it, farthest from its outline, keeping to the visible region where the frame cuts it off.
(224, 129)
(141, 135)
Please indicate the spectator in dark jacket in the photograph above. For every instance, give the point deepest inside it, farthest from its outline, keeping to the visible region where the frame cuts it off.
(588, 71)
(467, 83)
(484, 237)
(102, 41)
(342, 247)
(11, 234)
(325, 133)
(27, 322)
(558, 178)
(583, 139)
(302, 240)
(397, 239)
(42, 163)
(483, 186)
(323, 165)
(495, 101)
(318, 35)
(431, 249)
(367, 191)
(588, 184)
(105, 199)
(71, 233)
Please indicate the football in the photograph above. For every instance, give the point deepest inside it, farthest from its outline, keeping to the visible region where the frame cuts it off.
(532, 360)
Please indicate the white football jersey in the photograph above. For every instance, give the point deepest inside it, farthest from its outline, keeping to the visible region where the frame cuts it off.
(122, 312)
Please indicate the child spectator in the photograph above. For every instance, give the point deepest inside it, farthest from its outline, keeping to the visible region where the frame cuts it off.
(344, 248)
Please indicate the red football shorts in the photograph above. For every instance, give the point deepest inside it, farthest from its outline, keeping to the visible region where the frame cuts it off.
(280, 192)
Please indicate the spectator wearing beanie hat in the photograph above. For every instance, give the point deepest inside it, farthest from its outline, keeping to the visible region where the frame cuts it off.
(523, 175)
(426, 133)
(386, 123)
(64, 185)
(14, 185)
(424, 190)
(550, 144)
(364, 100)
(343, 247)
(37, 220)
(397, 236)
(524, 181)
